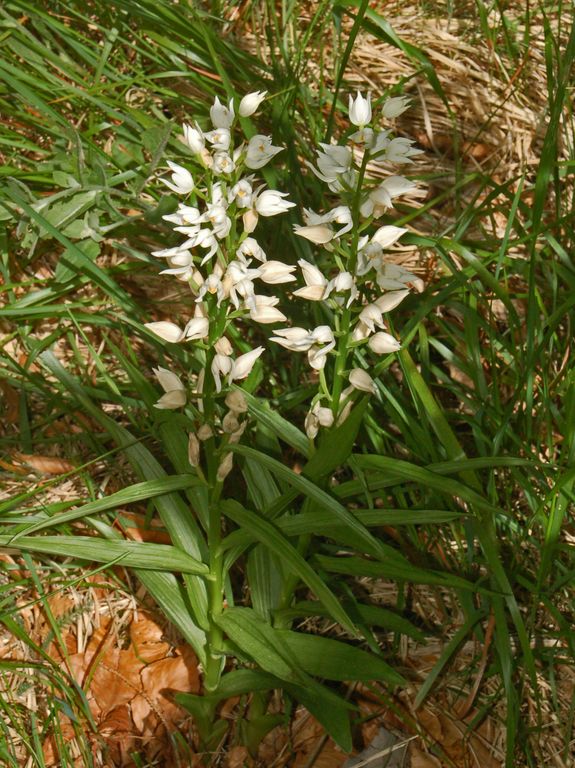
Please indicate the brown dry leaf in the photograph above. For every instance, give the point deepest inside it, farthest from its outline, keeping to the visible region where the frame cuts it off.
(238, 757)
(419, 759)
(308, 736)
(146, 636)
(11, 398)
(117, 729)
(45, 465)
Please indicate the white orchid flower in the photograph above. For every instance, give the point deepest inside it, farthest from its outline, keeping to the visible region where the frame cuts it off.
(221, 366)
(241, 193)
(383, 343)
(250, 103)
(361, 380)
(316, 233)
(316, 417)
(182, 182)
(242, 366)
(395, 106)
(217, 216)
(391, 300)
(260, 151)
(197, 328)
(393, 277)
(388, 235)
(295, 339)
(194, 138)
(220, 138)
(220, 115)
(251, 247)
(274, 272)
(381, 199)
(316, 285)
(223, 164)
(360, 109)
(264, 310)
(166, 331)
(172, 385)
(270, 202)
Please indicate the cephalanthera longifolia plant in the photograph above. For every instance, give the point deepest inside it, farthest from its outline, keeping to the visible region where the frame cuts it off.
(232, 301)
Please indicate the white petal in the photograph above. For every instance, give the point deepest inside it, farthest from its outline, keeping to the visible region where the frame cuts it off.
(166, 331)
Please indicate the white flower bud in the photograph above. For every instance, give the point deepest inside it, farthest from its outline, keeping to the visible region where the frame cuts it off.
(172, 385)
(197, 328)
(274, 272)
(194, 138)
(383, 343)
(236, 401)
(222, 116)
(223, 346)
(182, 181)
(243, 365)
(193, 450)
(166, 331)
(205, 432)
(360, 110)
(316, 233)
(225, 467)
(388, 235)
(251, 102)
(361, 380)
(390, 300)
(250, 221)
(395, 106)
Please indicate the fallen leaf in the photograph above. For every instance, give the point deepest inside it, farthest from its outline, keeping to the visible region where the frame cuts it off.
(45, 465)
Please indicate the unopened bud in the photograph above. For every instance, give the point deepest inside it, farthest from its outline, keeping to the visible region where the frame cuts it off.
(225, 467)
(193, 450)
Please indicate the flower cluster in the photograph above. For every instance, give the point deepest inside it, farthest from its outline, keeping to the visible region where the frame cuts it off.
(225, 268)
(358, 284)
(219, 258)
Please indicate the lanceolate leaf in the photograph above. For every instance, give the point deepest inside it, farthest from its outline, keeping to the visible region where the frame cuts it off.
(134, 554)
(267, 648)
(312, 491)
(269, 535)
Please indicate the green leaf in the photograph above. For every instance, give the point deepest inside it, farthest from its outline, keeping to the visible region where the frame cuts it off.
(280, 427)
(138, 492)
(269, 535)
(134, 554)
(321, 497)
(265, 646)
(333, 660)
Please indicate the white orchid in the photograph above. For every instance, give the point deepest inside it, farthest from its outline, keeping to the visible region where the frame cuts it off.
(182, 182)
(381, 199)
(275, 272)
(316, 285)
(360, 109)
(260, 151)
(395, 106)
(270, 202)
(194, 138)
(361, 380)
(220, 115)
(166, 331)
(317, 417)
(175, 392)
(383, 343)
(251, 247)
(250, 103)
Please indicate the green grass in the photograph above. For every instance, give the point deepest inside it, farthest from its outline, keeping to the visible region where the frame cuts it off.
(91, 105)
